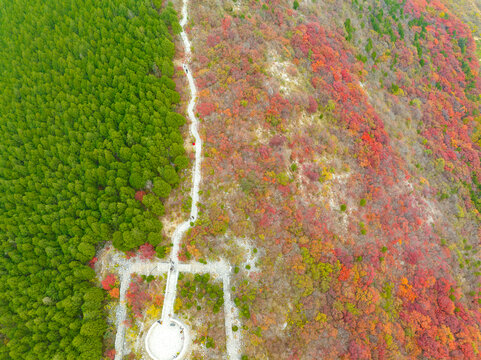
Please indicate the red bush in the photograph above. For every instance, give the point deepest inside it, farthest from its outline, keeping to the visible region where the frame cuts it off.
(312, 108)
(205, 109)
(277, 140)
(136, 296)
(109, 281)
(213, 40)
(110, 354)
(93, 262)
(139, 195)
(147, 251)
(446, 304)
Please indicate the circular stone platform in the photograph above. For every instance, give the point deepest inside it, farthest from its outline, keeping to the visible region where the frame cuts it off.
(167, 340)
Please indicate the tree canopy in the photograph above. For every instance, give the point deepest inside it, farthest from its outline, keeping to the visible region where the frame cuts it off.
(87, 117)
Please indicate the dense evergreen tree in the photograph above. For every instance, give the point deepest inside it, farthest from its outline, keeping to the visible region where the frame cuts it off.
(86, 119)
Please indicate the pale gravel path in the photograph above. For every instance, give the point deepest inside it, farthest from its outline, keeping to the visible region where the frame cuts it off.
(221, 268)
(173, 275)
(143, 267)
(121, 312)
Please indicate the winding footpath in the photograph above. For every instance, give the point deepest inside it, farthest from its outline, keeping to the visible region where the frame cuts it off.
(144, 267)
(172, 277)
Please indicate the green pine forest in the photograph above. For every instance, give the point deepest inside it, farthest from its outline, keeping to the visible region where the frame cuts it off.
(87, 118)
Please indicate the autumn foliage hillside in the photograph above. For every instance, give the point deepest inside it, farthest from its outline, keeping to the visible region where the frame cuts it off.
(339, 139)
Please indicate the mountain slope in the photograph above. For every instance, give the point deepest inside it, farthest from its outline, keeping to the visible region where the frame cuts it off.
(338, 140)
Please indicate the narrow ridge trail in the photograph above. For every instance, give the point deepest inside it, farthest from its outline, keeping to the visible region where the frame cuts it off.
(172, 277)
(220, 268)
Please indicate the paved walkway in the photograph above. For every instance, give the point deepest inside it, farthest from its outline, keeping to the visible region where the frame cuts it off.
(173, 267)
